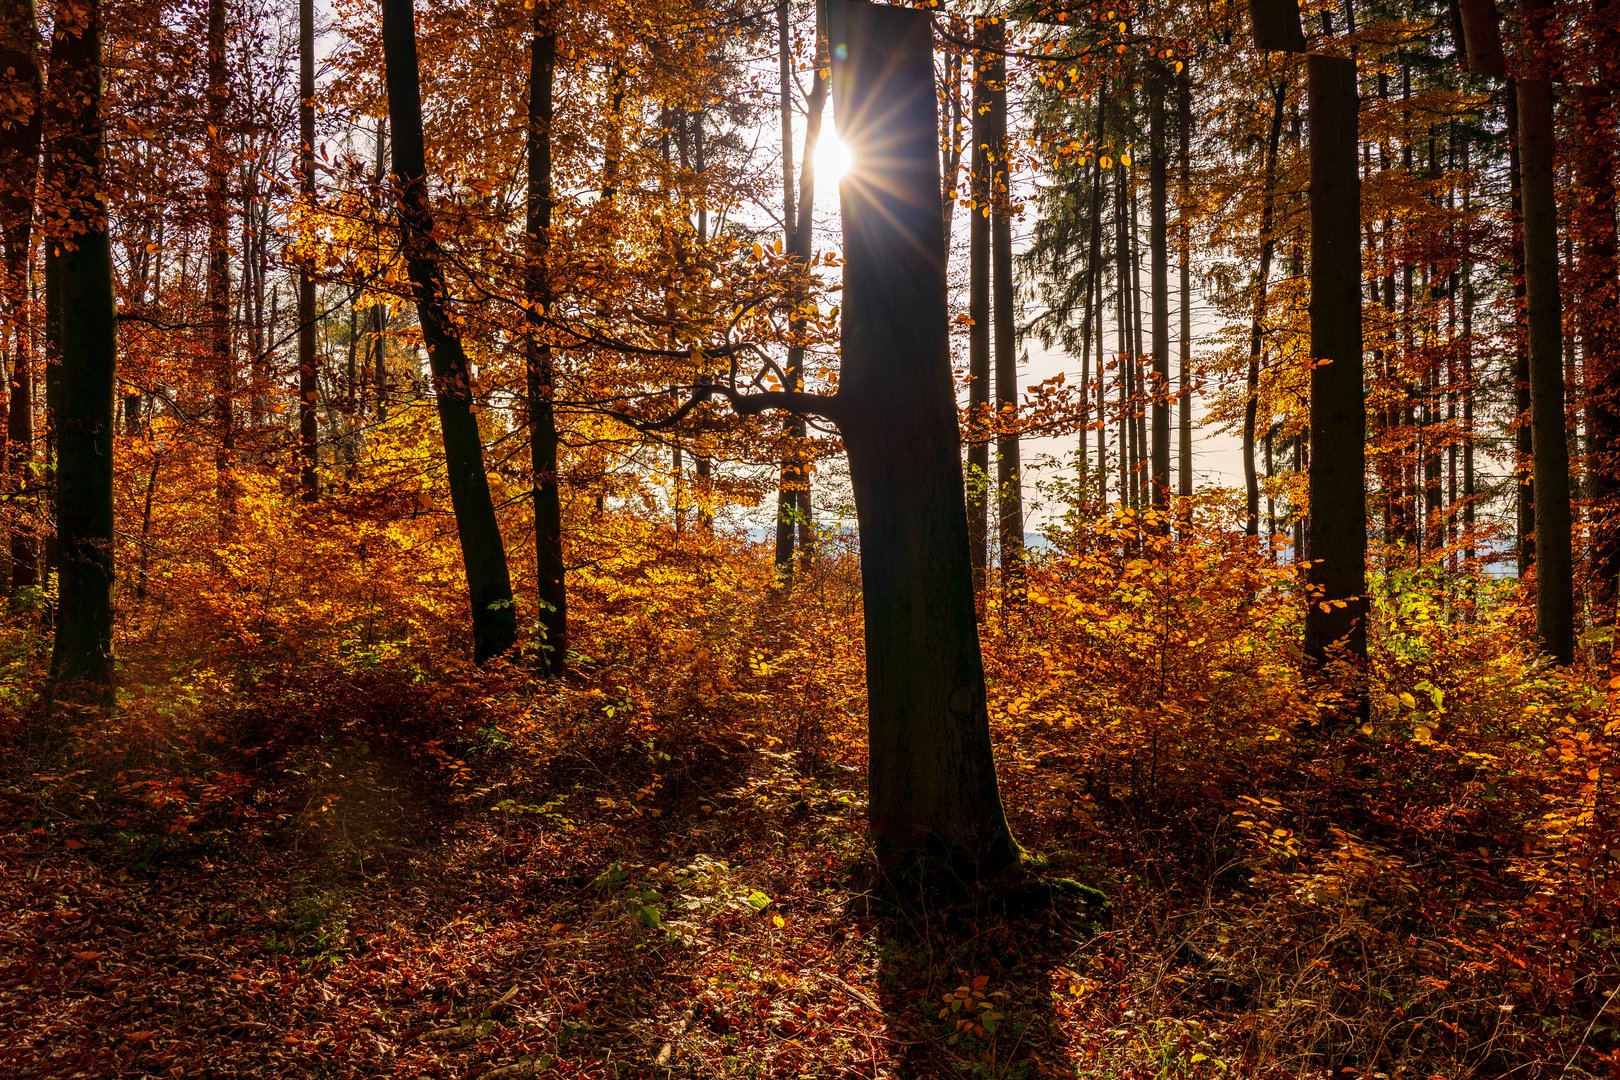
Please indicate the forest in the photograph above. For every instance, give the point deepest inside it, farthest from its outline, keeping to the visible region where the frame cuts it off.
(809, 538)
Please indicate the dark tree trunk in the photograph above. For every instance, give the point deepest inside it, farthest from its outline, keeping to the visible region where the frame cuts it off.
(1262, 287)
(217, 210)
(1337, 609)
(1594, 225)
(980, 187)
(21, 88)
(1184, 443)
(489, 588)
(308, 432)
(1523, 466)
(1159, 286)
(1555, 596)
(1009, 473)
(551, 592)
(793, 499)
(85, 324)
(935, 807)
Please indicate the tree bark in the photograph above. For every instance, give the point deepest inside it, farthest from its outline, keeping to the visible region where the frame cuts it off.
(551, 591)
(1555, 596)
(216, 209)
(980, 188)
(1009, 472)
(1184, 443)
(793, 526)
(1594, 226)
(1159, 287)
(935, 808)
(489, 587)
(1337, 534)
(85, 324)
(1262, 287)
(308, 431)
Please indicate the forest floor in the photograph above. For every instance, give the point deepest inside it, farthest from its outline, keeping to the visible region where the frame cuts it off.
(336, 871)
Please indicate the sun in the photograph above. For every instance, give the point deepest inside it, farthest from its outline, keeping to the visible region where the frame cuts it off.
(834, 158)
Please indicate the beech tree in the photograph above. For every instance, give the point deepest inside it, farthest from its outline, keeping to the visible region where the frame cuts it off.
(483, 552)
(82, 325)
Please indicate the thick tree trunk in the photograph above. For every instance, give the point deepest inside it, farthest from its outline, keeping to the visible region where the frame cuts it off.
(1337, 609)
(981, 190)
(1555, 596)
(85, 323)
(935, 807)
(551, 592)
(308, 432)
(489, 587)
(21, 109)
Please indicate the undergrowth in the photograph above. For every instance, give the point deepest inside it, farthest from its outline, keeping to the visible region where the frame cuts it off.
(311, 841)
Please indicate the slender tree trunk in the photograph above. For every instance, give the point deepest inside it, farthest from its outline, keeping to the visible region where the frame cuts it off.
(1159, 284)
(1140, 451)
(551, 592)
(217, 210)
(793, 501)
(80, 282)
(1523, 469)
(1555, 596)
(1337, 609)
(379, 312)
(1184, 214)
(1594, 225)
(21, 109)
(980, 188)
(308, 375)
(1262, 287)
(935, 809)
(1009, 473)
(489, 587)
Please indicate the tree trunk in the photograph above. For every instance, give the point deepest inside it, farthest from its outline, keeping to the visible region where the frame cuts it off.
(1262, 286)
(793, 501)
(489, 588)
(1594, 225)
(85, 323)
(217, 210)
(21, 89)
(1159, 286)
(980, 188)
(1555, 597)
(935, 808)
(1009, 472)
(1337, 608)
(1523, 467)
(308, 432)
(1184, 444)
(551, 593)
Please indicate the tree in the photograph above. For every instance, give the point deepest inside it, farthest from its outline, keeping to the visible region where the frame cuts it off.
(1336, 611)
(934, 800)
(308, 433)
(1555, 587)
(21, 89)
(82, 317)
(489, 587)
(551, 591)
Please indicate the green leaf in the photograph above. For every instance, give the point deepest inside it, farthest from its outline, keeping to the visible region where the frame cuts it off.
(758, 900)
